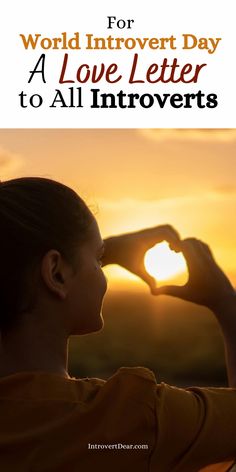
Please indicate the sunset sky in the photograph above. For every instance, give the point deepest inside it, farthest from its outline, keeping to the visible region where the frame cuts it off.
(138, 178)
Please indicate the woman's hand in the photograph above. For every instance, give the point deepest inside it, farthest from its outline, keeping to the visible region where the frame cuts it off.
(128, 250)
(207, 284)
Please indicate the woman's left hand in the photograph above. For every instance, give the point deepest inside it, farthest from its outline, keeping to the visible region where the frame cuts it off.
(128, 250)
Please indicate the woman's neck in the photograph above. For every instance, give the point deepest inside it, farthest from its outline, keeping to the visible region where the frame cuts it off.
(31, 347)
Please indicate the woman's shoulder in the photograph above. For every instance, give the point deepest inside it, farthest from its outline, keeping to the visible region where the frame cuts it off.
(127, 383)
(134, 372)
(122, 374)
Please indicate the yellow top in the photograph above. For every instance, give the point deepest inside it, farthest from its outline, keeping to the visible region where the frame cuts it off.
(49, 423)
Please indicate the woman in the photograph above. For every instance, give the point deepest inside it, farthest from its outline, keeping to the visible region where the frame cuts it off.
(51, 287)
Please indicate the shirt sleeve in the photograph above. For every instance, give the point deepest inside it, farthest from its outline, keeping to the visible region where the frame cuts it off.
(195, 427)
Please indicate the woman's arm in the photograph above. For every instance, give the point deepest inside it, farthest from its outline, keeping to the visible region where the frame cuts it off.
(209, 286)
(226, 316)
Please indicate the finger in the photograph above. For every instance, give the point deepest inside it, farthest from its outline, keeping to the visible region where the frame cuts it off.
(198, 255)
(172, 290)
(206, 251)
(148, 279)
(175, 247)
(192, 251)
(163, 233)
(171, 235)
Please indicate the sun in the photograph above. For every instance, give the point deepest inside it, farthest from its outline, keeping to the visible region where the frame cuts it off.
(164, 264)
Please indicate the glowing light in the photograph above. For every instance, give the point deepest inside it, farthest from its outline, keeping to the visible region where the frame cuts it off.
(162, 263)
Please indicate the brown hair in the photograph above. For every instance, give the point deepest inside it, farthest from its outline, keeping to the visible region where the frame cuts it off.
(36, 215)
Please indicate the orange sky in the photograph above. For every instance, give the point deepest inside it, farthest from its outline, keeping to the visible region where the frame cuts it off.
(138, 178)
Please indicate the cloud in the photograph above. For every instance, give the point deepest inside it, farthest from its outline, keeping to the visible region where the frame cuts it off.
(225, 189)
(207, 215)
(210, 135)
(9, 163)
(214, 196)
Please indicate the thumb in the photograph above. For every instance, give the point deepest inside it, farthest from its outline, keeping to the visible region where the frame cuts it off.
(173, 290)
(150, 281)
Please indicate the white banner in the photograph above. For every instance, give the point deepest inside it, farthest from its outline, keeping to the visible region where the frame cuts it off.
(125, 65)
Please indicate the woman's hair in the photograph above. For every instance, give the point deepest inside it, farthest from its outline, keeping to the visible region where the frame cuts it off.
(36, 215)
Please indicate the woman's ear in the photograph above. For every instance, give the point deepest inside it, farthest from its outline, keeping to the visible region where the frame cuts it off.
(55, 273)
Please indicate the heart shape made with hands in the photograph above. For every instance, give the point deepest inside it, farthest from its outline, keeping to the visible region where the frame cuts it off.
(164, 264)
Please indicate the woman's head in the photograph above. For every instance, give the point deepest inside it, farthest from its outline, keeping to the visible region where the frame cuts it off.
(47, 238)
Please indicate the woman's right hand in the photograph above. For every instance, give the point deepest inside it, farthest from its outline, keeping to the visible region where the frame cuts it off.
(207, 284)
